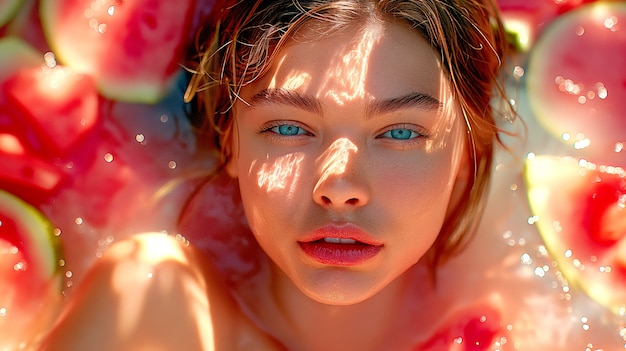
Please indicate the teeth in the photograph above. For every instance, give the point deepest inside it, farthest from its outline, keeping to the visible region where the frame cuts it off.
(339, 241)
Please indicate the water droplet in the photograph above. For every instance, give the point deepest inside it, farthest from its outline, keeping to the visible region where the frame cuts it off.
(3, 311)
(78, 221)
(108, 157)
(526, 259)
(111, 10)
(610, 22)
(164, 118)
(140, 138)
(602, 91)
(540, 272)
(68, 274)
(172, 164)
(580, 31)
(49, 59)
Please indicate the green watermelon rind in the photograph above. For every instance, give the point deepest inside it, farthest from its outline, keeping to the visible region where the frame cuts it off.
(119, 89)
(38, 238)
(541, 192)
(16, 54)
(9, 10)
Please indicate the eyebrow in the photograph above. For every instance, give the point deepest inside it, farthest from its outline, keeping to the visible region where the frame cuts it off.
(282, 96)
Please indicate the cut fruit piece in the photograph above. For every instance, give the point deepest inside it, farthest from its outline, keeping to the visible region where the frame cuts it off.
(582, 219)
(476, 328)
(15, 54)
(574, 82)
(26, 171)
(29, 270)
(8, 8)
(29, 252)
(132, 48)
(59, 103)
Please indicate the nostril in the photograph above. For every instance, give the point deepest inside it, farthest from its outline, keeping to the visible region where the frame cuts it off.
(326, 200)
(352, 201)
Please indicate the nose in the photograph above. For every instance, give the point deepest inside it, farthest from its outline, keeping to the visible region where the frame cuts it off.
(341, 184)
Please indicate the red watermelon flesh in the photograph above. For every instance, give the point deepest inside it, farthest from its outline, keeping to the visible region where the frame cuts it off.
(60, 103)
(478, 328)
(23, 168)
(132, 48)
(582, 220)
(29, 253)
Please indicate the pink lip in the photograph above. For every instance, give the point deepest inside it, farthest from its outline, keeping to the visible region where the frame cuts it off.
(340, 254)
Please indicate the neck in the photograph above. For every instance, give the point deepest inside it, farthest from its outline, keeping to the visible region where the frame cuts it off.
(304, 321)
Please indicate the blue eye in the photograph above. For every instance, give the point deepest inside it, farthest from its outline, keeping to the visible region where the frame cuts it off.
(288, 130)
(400, 134)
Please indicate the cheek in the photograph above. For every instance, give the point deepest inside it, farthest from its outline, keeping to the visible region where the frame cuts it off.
(270, 185)
(419, 183)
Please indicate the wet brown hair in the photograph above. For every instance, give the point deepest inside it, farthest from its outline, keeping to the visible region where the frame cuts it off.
(237, 47)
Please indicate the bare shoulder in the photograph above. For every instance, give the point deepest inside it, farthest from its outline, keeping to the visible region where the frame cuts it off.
(152, 292)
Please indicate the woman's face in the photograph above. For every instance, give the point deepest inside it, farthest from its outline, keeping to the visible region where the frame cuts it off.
(346, 152)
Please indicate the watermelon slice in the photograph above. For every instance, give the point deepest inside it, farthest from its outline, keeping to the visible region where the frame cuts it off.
(60, 103)
(27, 230)
(575, 81)
(528, 18)
(582, 220)
(15, 54)
(26, 171)
(8, 8)
(132, 48)
(29, 254)
(475, 328)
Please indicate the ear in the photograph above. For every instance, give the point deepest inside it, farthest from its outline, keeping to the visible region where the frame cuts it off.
(231, 167)
(230, 152)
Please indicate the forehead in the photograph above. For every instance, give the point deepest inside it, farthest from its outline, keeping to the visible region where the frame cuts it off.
(371, 60)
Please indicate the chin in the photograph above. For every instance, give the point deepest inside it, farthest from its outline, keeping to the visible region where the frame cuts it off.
(342, 292)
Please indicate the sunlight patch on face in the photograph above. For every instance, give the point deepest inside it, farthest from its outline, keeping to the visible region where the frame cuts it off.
(347, 79)
(294, 81)
(282, 174)
(335, 159)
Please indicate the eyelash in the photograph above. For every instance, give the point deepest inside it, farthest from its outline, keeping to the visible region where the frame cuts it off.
(417, 133)
(269, 129)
